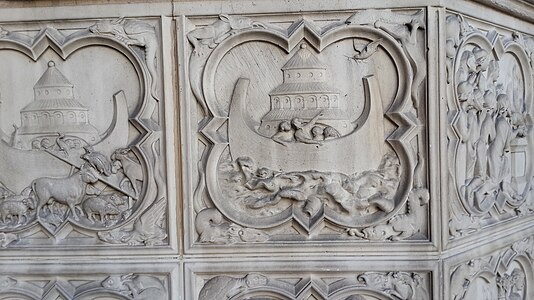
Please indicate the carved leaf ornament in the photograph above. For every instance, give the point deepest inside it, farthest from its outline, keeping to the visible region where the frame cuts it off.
(252, 170)
(116, 171)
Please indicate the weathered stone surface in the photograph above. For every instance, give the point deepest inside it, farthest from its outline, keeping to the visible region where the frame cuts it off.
(266, 149)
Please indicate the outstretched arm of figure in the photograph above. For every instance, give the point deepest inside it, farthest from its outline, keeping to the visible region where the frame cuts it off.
(312, 121)
(309, 141)
(278, 140)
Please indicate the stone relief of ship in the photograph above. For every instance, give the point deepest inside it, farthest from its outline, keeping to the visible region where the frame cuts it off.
(309, 122)
(56, 120)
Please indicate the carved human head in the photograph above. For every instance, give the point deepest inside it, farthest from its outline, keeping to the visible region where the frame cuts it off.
(285, 126)
(518, 278)
(87, 174)
(468, 59)
(465, 91)
(317, 131)
(330, 132)
(481, 57)
(296, 122)
(503, 103)
(36, 144)
(493, 71)
(265, 173)
(490, 100)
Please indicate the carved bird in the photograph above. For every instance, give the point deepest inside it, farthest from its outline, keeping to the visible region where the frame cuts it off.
(97, 160)
(61, 144)
(366, 51)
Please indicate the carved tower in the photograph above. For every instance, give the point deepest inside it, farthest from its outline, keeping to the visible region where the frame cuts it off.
(54, 110)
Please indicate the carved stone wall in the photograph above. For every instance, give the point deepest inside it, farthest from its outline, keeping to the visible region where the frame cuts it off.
(267, 150)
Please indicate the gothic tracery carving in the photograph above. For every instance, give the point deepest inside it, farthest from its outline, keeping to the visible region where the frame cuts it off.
(502, 275)
(267, 168)
(490, 100)
(367, 285)
(78, 168)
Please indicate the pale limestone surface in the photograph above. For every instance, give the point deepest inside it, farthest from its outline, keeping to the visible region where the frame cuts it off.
(266, 150)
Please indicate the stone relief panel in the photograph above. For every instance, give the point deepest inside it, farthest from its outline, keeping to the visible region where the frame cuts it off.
(489, 98)
(505, 274)
(82, 142)
(69, 283)
(309, 129)
(357, 285)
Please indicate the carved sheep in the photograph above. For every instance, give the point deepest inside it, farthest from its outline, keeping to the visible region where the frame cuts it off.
(69, 191)
(102, 206)
(12, 207)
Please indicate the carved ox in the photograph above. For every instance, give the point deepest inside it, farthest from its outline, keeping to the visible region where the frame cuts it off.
(69, 191)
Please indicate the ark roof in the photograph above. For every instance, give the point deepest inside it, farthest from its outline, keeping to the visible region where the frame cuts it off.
(54, 104)
(52, 77)
(307, 88)
(304, 59)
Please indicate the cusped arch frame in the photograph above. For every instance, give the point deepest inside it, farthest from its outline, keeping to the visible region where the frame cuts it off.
(399, 138)
(17, 296)
(51, 38)
(346, 292)
(525, 262)
(100, 292)
(272, 292)
(493, 44)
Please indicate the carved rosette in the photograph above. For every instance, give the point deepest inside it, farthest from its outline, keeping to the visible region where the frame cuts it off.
(490, 117)
(83, 167)
(301, 133)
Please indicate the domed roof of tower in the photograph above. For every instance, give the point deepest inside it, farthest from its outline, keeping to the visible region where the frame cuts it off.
(304, 59)
(52, 77)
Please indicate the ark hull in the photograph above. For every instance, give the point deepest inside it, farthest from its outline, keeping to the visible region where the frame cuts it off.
(368, 139)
